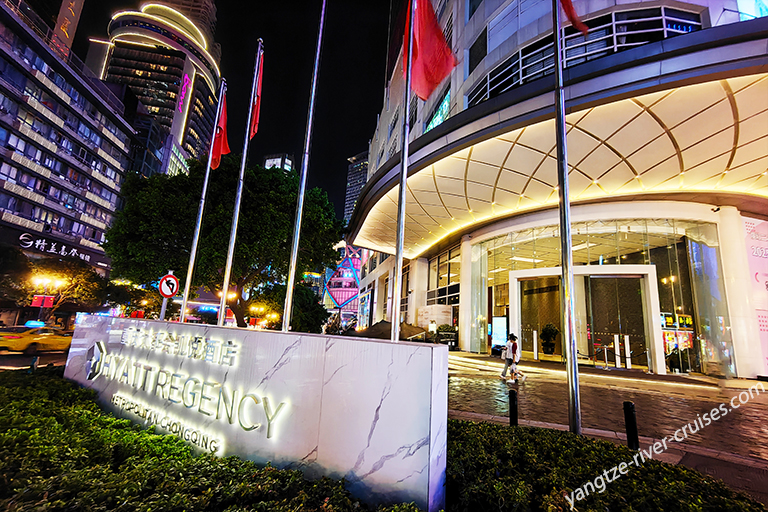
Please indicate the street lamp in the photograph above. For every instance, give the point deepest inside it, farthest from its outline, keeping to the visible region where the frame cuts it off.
(45, 282)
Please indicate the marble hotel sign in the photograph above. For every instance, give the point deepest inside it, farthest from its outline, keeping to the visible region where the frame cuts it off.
(371, 411)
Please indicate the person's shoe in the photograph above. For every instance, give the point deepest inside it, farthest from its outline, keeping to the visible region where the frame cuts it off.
(502, 376)
(522, 379)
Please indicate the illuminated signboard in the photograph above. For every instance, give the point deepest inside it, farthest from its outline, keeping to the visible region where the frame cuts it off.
(685, 321)
(372, 411)
(41, 243)
(66, 24)
(668, 321)
(183, 91)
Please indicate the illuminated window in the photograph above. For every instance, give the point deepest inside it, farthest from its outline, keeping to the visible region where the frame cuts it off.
(441, 113)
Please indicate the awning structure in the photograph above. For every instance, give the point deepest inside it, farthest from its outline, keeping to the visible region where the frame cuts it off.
(708, 135)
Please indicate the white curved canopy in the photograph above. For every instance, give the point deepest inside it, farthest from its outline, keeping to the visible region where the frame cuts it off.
(707, 137)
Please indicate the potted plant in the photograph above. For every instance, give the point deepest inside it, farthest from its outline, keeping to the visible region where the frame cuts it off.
(548, 335)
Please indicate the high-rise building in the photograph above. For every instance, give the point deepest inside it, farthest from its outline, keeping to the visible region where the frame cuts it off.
(667, 121)
(148, 152)
(163, 57)
(357, 175)
(64, 145)
(203, 14)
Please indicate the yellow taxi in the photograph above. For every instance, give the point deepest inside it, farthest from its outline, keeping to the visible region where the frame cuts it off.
(29, 340)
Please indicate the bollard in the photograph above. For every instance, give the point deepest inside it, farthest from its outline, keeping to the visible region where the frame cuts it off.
(630, 424)
(512, 408)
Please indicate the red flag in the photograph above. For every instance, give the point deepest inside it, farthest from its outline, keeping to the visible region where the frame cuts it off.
(570, 12)
(220, 144)
(433, 59)
(257, 100)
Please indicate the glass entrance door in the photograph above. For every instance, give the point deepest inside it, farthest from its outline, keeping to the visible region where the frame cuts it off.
(615, 307)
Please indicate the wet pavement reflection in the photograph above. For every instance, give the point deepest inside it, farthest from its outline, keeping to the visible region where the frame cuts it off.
(660, 411)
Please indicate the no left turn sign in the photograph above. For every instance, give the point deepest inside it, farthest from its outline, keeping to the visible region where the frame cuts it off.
(169, 285)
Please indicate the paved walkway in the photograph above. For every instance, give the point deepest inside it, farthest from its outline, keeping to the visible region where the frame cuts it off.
(733, 448)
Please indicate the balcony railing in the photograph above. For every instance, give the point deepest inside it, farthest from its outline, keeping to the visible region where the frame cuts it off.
(33, 21)
(614, 32)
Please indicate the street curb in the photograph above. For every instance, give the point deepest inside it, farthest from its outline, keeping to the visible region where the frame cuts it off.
(608, 434)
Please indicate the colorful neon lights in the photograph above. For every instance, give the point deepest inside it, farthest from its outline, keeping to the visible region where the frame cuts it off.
(183, 93)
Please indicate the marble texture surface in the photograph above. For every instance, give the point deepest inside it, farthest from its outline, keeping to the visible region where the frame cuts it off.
(371, 411)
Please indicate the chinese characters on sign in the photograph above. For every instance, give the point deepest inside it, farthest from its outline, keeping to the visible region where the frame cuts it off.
(27, 241)
(192, 347)
(66, 24)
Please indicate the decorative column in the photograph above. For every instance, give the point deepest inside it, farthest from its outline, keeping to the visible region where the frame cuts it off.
(417, 297)
(465, 298)
(747, 351)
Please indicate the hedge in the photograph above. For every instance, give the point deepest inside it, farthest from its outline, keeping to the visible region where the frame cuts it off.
(494, 467)
(59, 451)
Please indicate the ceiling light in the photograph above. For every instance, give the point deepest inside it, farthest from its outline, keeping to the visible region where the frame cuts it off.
(527, 260)
(582, 246)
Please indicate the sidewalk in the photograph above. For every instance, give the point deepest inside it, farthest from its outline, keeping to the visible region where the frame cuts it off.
(637, 374)
(746, 474)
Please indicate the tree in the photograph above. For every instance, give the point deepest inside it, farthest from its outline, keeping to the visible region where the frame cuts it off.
(69, 281)
(132, 298)
(153, 232)
(15, 271)
(308, 314)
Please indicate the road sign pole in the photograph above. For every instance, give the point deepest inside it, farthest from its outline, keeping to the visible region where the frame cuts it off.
(162, 309)
(168, 287)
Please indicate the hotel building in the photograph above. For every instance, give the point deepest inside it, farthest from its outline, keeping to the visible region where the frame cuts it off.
(667, 118)
(64, 145)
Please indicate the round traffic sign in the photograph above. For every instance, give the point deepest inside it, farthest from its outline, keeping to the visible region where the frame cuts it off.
(169, 285)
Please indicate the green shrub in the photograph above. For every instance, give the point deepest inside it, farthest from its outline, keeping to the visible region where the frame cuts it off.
(61, 452)
(493, 467)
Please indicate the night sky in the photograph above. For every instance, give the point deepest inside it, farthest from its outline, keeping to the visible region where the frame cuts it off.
(350, 84)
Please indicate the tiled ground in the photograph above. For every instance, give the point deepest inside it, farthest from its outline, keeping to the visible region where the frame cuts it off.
(661, 409)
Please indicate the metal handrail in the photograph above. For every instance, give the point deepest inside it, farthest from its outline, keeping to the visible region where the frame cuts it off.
(483, 89)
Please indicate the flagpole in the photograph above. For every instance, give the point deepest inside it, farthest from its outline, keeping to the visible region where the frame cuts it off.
(288, 307)
(567, 301)
(199, 223)
(397, 278)
(239, 195)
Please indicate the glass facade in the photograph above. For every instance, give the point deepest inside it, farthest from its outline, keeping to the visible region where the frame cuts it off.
(443, 281)
(692, 303)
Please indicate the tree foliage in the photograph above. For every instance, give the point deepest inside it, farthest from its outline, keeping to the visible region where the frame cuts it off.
(132, 298)
(15, 270)
(78, 284)
(309, 314)
(153, 232)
